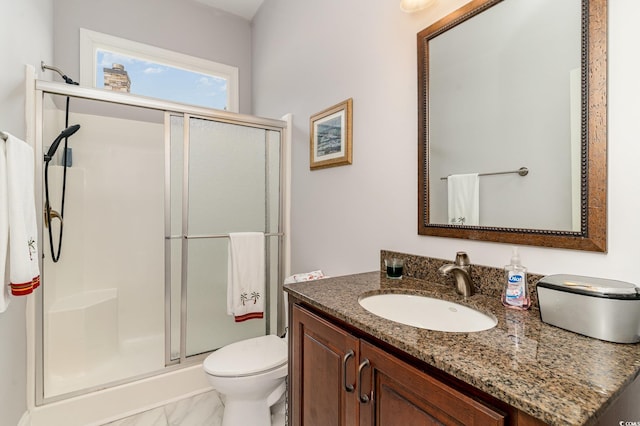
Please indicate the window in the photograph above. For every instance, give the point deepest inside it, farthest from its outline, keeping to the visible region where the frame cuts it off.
(112, 63)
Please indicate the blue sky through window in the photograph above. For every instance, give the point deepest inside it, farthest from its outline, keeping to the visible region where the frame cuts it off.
(165, 82)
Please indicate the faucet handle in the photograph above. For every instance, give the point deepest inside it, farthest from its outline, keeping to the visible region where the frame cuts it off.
(462, 259)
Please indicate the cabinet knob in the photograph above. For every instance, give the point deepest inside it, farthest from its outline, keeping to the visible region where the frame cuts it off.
(347, 387)
(363, 398)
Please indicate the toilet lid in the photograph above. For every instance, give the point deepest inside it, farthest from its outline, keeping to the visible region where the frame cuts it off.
(247, 357)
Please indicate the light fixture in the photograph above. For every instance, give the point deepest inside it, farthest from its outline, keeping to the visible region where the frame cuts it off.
(411, 6)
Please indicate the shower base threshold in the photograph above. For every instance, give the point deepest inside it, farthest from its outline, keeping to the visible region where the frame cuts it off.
(100, 407)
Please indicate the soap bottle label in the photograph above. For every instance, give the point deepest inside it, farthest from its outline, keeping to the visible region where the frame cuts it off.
(514, 293)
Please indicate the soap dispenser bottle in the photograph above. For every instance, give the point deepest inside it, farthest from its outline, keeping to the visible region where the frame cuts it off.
(516, 291)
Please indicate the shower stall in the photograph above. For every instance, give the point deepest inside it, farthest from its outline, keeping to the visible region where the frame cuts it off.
(146, 193)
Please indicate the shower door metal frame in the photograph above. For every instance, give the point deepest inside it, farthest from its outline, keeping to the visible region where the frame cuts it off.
(185, 236)
(43, 88)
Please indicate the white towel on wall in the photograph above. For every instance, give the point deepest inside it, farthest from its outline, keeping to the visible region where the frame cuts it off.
(23, 231)
(464, 199)
(246, 275)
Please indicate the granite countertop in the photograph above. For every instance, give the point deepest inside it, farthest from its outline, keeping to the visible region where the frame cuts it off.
(557, 376)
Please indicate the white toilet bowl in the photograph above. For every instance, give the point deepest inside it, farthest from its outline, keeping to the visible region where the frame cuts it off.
(251, 375)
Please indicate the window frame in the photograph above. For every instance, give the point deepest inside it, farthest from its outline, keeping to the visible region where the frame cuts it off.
(92, 41)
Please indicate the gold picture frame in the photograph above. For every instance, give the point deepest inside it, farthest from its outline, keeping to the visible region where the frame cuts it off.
(331, 136)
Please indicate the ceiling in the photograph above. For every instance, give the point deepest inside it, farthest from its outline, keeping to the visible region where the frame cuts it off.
(244, 8)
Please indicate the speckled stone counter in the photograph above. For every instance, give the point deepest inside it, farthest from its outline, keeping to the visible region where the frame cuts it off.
(559, 377)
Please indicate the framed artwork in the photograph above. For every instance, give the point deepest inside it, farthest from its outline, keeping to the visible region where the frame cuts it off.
(331, 135)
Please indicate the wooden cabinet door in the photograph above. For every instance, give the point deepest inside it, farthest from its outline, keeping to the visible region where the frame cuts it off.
(402, 395)
(322, 370)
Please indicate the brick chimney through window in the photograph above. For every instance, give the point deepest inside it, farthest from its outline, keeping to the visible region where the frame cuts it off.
(117, 79)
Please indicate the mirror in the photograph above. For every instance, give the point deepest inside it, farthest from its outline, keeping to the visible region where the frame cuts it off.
(515, 92)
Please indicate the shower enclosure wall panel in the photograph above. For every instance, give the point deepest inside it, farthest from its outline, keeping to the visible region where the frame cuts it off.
(75, 218)
(124, 198)
(84, 325)
(53, 121)
(104, 299)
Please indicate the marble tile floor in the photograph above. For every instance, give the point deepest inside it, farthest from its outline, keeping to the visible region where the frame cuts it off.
(205, 409)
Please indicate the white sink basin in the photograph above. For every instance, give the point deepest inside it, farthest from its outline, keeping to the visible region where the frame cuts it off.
(427, 312)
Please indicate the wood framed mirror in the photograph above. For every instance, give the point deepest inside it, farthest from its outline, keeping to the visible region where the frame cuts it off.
(507, 84)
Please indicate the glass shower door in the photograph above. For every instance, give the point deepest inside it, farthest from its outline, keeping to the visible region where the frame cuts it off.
(232, 185)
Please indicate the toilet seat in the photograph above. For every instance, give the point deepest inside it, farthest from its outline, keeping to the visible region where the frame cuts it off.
(247, 357)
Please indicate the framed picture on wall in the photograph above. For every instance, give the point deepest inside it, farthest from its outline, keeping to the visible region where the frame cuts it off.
(331, 135)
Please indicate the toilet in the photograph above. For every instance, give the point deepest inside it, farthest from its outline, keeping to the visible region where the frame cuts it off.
(251, 376)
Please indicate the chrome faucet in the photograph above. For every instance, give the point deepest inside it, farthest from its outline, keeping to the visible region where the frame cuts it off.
(461, 270)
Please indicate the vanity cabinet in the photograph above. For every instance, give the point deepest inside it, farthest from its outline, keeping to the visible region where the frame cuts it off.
(339, 378)
(394, 393)
(322, 364)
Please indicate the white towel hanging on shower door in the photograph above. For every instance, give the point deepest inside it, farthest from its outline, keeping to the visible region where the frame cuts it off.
(246, 275)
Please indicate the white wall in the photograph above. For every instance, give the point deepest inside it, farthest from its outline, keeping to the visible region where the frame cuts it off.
(308, 56)
(183, 26)
(25, 35)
